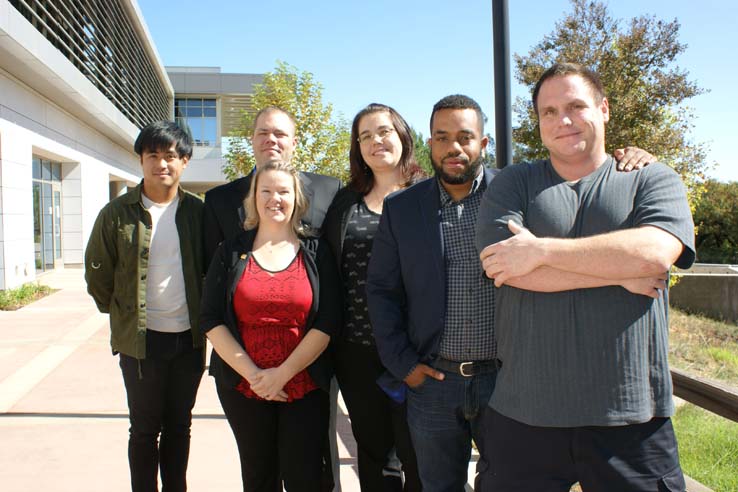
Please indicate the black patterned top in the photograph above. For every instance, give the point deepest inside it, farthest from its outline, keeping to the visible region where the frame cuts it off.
(357, 249)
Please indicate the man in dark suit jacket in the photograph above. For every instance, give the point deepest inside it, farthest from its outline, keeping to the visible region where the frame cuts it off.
(430, 307)
(223, 216)
(274, 138)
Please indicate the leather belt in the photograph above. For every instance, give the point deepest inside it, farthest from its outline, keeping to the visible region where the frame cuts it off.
(467, 369)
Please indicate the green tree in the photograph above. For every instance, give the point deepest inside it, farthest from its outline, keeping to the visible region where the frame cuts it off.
(489, 159)
(323, 140)
(646, 91)
(422, 151)
(716, 221)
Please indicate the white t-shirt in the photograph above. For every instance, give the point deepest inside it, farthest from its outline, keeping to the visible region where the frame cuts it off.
(166, 302)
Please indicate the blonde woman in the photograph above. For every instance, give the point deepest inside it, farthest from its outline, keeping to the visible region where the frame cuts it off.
(271, 303)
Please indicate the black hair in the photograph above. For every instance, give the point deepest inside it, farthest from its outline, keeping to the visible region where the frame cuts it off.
(459, 101)
(160, 135)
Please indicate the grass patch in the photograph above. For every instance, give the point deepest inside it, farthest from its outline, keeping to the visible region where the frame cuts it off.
(723, 356)
(708, 443)
(703, 346)
(12, 299)
(708, 447)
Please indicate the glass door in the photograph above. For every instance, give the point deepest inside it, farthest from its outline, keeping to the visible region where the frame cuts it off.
(56, 218)
(37, 243)
(46, 214)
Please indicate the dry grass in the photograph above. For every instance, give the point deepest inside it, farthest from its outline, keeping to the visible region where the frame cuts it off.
(707, 446)
(704, 347)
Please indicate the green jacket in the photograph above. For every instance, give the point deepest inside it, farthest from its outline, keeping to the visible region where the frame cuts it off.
(116, 263)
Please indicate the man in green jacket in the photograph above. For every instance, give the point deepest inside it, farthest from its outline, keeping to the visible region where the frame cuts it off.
(144, 266)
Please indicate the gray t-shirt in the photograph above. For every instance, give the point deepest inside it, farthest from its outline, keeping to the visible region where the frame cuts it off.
(586, 356)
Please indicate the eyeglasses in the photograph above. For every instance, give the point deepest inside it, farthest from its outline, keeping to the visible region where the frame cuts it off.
(382, 133)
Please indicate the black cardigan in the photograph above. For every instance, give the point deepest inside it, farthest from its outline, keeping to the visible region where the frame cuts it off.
(336, 221)
(223, 276)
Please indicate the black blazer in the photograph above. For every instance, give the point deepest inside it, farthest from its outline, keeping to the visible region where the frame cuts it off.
(226, 269)
(406, 281)
(223, 213)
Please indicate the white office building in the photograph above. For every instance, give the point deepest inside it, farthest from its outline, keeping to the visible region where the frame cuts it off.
(77, 82)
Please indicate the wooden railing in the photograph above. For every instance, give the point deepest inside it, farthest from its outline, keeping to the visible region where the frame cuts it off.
(714, 397)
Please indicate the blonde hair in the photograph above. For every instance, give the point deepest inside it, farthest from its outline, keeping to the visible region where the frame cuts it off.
(301, 201)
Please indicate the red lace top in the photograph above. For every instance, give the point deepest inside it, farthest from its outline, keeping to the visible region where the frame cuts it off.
(272, 309)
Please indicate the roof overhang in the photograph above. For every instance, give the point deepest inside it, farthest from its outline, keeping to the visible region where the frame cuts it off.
(29, 57)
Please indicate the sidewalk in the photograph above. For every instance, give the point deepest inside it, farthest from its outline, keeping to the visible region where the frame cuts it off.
(63, 412)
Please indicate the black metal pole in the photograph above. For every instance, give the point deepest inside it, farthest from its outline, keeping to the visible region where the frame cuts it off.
(503, 113)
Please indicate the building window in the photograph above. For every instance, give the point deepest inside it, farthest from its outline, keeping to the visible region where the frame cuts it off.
(46, 213)
(102, 42)
(200, 116)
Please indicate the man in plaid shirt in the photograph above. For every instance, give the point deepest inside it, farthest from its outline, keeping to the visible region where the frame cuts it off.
(431, 308)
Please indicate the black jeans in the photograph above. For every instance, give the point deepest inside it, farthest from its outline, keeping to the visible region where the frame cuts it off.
(379, 425)
(161, 391)
(524, 458)
(279, 439)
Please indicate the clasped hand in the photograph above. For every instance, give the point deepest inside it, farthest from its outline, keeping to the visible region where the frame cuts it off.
(269, 383)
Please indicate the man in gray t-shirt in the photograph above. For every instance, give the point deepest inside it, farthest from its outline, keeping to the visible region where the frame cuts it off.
(580, 254)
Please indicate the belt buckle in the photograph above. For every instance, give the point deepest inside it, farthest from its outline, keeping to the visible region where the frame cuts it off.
(462, 369)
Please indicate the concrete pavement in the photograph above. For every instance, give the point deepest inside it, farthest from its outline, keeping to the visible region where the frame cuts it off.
(63, 412)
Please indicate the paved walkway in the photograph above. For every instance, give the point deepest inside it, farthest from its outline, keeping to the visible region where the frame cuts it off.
(63, 413)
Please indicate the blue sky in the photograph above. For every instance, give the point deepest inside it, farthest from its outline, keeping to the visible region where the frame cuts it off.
(410, 53)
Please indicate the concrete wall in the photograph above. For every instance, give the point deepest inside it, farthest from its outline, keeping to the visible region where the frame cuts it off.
(31, 124)
(48, 108)
(715, 295)
(204, 170)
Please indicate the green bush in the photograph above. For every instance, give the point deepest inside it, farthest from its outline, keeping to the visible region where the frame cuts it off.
(12, 299)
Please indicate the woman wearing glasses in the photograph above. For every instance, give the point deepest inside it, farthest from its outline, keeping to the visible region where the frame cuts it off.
(381, 161)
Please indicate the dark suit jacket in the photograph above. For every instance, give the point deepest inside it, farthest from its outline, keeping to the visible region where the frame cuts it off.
(223, 214)
(406, 281)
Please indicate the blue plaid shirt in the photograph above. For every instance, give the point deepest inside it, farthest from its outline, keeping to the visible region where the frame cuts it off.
(468, 334)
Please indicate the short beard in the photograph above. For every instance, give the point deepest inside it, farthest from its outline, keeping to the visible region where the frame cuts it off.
(468, 175)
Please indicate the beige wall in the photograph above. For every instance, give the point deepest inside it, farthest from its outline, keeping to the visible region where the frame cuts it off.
(710, 294)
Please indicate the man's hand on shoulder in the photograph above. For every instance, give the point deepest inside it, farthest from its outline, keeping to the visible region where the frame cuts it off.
(631, 158)
(514, 257)
(419, 373)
